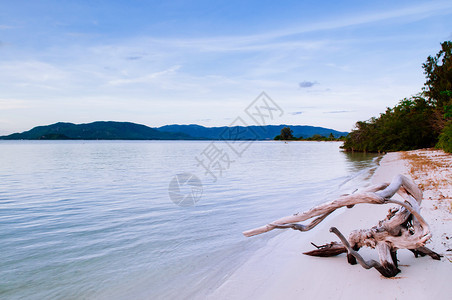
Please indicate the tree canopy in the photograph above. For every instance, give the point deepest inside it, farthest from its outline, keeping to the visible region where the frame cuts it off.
(286, 134)
(415, 122)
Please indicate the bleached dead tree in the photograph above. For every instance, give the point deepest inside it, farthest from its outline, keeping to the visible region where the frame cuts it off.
(403, 228)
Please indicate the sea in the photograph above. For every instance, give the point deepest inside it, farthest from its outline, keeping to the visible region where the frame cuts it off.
(152, 219)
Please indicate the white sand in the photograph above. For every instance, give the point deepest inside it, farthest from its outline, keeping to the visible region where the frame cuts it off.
(280, 270)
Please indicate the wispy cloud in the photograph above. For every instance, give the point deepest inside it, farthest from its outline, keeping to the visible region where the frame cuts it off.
(134, 57)
(338, 111)
(307, 84)
(32, 71)
(172, 76)
(405, 14)
(7, 104)
(274, 39)
(144, 79)
(5, 27)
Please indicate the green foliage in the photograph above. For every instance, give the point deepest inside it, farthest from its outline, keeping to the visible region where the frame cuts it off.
(318, 137)
(445, 139)
(447, 112)
(95, 131)
(403, 127)
(315, 137)
(438, 71)
(286, 134)
(54, 136)
(438, 87)
(331, 137)
(416, 122)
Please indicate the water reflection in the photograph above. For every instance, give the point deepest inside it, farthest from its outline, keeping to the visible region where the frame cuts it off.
(359, 160)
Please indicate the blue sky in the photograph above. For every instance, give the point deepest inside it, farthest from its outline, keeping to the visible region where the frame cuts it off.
(325, 63)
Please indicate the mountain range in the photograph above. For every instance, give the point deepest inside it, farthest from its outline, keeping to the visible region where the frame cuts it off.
(109, 130)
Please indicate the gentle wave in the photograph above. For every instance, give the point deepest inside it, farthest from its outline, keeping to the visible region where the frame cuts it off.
(93, 219)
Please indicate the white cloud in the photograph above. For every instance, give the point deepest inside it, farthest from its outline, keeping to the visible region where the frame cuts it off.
(129, 78)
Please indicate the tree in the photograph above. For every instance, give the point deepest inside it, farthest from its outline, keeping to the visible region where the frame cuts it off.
(403, 127)
(331, 137)
(286, 134)
(416, 122)
(445, 138)
(317, 137)
(438, 87)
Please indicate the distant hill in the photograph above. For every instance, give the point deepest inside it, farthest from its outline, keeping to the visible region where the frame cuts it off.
(250, 132)
(96, 131)
(130, 131)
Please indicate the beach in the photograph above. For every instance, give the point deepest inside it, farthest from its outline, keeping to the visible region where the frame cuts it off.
(93, 220)
(280, 270)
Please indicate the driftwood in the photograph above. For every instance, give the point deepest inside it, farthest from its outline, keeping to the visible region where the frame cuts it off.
(403, 228)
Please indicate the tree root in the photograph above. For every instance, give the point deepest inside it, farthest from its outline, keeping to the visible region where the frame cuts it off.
(403, 228)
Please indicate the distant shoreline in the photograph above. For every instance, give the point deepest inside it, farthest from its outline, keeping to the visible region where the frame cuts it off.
(110, 130)
(194, 140)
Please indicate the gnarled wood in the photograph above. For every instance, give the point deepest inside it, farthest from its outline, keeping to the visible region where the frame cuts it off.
(331, 249)
(386, 266)
(403, 228)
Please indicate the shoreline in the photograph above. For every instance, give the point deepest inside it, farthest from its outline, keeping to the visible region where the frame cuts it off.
(281, 270)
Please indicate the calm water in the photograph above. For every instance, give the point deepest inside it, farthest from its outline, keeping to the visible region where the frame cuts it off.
(93, 219)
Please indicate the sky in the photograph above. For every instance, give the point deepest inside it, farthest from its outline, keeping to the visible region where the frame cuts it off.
(325, 63)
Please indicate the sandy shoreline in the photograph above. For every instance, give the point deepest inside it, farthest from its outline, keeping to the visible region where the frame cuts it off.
(280, 270)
